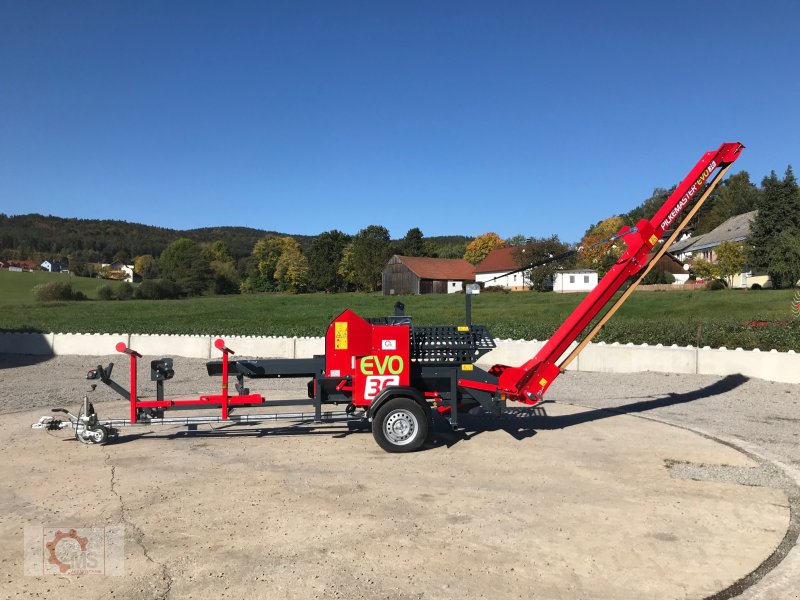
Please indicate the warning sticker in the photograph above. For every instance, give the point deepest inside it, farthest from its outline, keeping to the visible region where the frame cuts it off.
(340, 335)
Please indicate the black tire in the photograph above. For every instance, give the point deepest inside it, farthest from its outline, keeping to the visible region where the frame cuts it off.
(400, 425)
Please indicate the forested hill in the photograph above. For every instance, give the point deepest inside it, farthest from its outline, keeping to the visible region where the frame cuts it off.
(27, 236)
(39, 237)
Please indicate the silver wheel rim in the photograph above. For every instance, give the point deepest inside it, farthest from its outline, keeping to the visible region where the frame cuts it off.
(400, 427)
(84, 435)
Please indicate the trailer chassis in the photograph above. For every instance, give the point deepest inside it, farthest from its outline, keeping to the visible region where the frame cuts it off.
(89, 428)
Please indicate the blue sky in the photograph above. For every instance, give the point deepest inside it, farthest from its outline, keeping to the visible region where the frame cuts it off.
(455, 117)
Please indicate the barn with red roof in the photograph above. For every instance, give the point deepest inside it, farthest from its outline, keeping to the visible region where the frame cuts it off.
(423, 275)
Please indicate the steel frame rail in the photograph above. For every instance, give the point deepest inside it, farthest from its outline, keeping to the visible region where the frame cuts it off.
(250, 419)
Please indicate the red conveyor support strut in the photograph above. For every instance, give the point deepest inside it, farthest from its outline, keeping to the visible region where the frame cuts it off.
(528, 382)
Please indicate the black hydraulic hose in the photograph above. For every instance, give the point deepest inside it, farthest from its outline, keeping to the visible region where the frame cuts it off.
(539, 263)
(561, 256)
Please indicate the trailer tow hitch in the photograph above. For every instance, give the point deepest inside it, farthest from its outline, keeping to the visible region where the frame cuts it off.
(88, 429)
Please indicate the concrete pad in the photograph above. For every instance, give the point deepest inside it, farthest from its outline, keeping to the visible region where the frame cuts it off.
(578, 504)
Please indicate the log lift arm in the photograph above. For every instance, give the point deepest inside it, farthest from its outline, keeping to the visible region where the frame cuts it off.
(529, 382)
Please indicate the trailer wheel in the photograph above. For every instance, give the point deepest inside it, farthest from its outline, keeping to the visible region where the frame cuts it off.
(400, 425)
(98, 435)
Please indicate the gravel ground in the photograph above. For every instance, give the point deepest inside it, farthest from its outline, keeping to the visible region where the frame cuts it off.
(758, 416)
(736, 408)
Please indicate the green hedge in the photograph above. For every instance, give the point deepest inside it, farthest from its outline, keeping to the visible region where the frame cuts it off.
(55, 291)
(780, 335)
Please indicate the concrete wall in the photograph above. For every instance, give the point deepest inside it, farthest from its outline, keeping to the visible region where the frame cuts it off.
(601, 357)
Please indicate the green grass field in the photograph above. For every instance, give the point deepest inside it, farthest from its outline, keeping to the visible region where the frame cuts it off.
(723, 318)
(17, 288)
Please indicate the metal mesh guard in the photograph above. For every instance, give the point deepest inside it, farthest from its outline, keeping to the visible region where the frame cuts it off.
(448, 345)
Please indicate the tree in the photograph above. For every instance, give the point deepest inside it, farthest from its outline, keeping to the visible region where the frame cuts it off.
(481, 246)
(146, 266)
(784, 259)
(122, 256)
(597, 255)
(731, 258)
(516, 240)
(185, 263)
(218, 251)
(291, 272)
(734, 196)
(368, 256)
(413, 243)
(267, 253)
(649, 207)
(79, 263)
(324, 257)
(346, 268)
(447, 250)
(706, 270)
(225, 278)
(540, 249)
(265, 256)
(778, 210)
(658, 277)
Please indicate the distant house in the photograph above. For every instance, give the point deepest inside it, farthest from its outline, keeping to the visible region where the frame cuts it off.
(574, 280)
(52, 266)
(118, 271)
(495, 269)
(21, 265)
(422, 275)
(735, 229)
(704, 246)
(669, 264)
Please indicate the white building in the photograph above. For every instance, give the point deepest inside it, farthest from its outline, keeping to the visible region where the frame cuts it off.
(51, 266)
(495, 269)
(118, 271)
(704, 246)
(575, 280)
